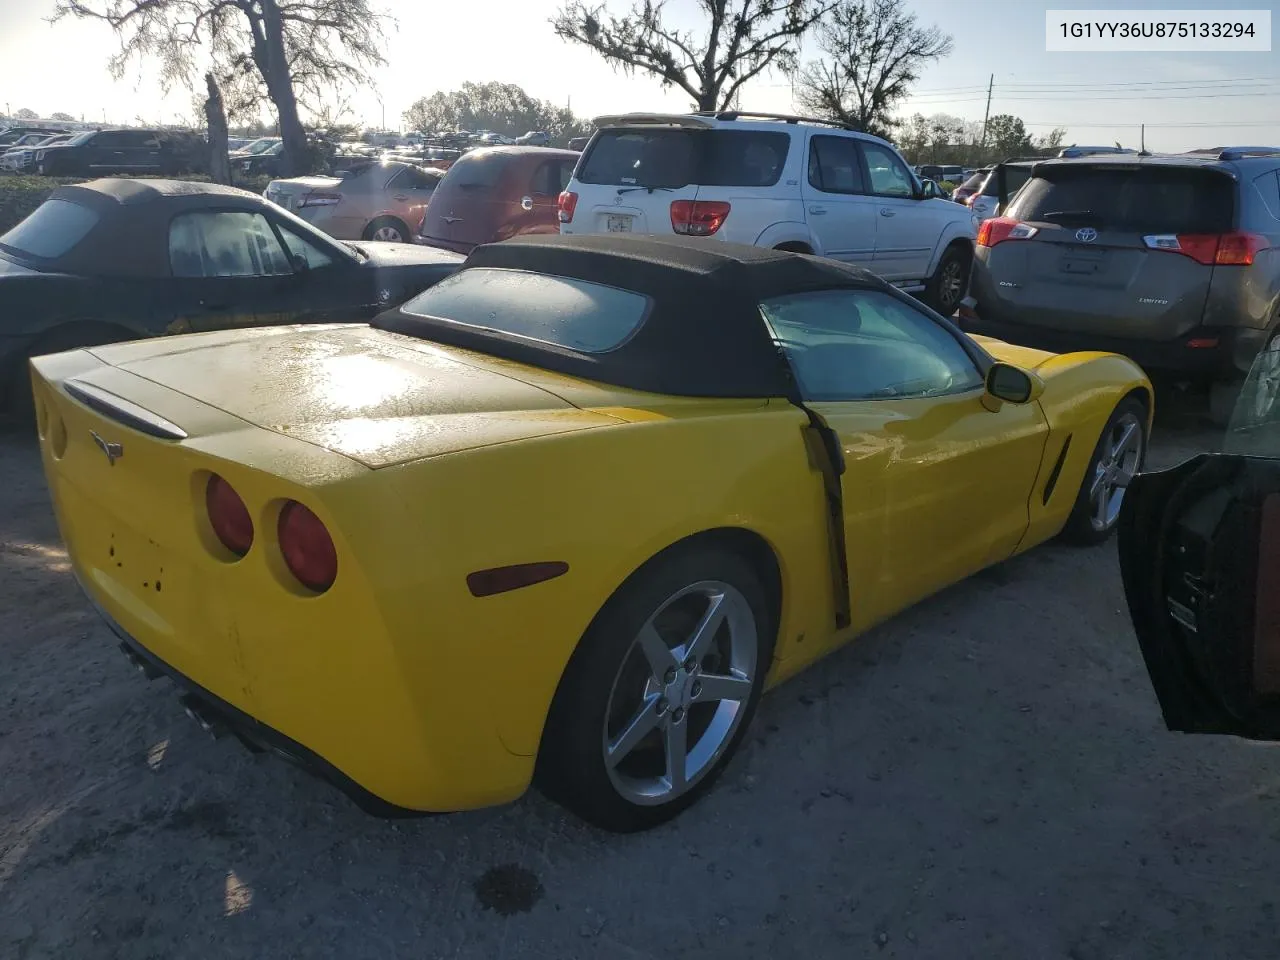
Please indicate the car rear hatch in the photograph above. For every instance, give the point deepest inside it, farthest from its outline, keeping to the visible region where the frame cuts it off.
(682, 178)
(468, 206)
(1118, 250)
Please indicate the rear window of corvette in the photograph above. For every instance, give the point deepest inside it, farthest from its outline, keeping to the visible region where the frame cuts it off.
(51, 230)
(561, 311)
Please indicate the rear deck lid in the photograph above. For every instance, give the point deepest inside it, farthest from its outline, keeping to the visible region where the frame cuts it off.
(373, 396)
(1099, 260)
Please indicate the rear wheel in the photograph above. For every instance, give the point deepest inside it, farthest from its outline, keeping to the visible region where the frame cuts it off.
(947, 287)
(387, 229)
(659, 693)
(1116, 460)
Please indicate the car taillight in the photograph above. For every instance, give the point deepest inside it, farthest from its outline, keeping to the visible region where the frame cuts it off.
(318, 199)
(307, 548)
(999, 229)
(698, 218)
(566, 203)
(228, 516)
(1235, 249)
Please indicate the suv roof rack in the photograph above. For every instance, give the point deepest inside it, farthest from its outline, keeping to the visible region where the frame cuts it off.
(1238, 153)
(785, 117)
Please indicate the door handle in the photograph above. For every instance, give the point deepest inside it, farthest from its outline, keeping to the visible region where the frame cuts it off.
(817, 211)
(888, 212)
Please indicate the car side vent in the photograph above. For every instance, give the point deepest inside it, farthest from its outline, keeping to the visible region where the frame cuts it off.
(123, 411)
(1056, 471)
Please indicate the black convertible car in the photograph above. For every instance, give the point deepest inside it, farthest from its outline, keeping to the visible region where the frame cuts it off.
(115, 260)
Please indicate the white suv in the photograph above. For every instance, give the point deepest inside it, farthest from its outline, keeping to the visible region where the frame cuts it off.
(773, 181)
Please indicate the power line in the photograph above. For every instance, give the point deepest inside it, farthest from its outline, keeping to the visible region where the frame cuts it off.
(1052, 85)
(1094, 99)
(1173, 126)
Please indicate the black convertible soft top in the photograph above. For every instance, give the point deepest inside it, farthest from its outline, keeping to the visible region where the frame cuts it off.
(704, 335)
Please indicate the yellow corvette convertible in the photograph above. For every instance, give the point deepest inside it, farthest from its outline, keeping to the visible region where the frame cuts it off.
(563, 517)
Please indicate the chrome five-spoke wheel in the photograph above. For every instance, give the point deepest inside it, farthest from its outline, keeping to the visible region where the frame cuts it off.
(680, 694)
(1117, 459)
(1115, 468)
(661, 687)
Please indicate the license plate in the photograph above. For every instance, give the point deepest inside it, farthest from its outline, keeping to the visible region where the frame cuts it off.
(619, 223)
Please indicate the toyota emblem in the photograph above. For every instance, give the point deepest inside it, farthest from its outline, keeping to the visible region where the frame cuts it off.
(1086, 234)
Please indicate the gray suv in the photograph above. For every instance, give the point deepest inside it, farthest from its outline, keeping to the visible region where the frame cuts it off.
(1171, 260)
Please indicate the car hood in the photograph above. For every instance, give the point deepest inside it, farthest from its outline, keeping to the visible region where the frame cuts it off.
(301, 185)
(384, 255)
(378, 398)
(1024, 357)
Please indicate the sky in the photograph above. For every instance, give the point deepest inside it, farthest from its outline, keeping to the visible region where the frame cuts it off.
(1187, 100)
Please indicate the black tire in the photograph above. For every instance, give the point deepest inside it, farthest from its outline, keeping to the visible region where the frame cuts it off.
(1082, 528)
(950, 281)
(571, 767)
(388, 224)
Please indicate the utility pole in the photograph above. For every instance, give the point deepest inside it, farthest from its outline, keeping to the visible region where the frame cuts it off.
(1142, 136)
(987, 114)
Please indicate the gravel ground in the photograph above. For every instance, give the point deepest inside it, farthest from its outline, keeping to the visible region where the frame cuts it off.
(986, 776)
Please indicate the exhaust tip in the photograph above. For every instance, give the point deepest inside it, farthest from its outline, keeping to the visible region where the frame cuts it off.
(139, 664)
(207, 720)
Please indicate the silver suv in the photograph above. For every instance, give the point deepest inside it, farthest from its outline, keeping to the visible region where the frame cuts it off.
(1172, 260)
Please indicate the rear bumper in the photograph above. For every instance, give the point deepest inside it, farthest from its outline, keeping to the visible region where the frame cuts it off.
(254, 734)
(1229, 354)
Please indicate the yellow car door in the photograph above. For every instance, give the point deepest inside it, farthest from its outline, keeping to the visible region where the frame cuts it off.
(937, 475)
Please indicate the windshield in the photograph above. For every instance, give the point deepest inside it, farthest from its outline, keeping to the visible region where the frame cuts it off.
(54, 228)
(560, 311)
(262, 146)
(1146, 199)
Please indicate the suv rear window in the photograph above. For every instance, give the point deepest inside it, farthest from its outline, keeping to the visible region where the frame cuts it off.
(51, 230)
(561, 311)
(1148, 199)
(1014, 177)
(676, 158)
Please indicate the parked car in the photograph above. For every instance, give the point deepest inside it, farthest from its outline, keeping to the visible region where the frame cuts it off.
(578, 144)
(613, 475)
(14, 132)
(1171, 260)
(787, 183)
(21, 155)
(253, 148)
(115, 260)
(1201, 569)
(534, 138)
(125, 150)
(263, 163)
(1075, 151)
(371, 201)
(970, 185)
(999, 186)
(495, 193)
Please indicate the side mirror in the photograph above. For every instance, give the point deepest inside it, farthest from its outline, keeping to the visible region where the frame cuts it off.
(1012, 384)
(300, 264)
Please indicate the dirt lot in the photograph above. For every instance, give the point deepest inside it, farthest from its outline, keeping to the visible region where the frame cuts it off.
(987, 776)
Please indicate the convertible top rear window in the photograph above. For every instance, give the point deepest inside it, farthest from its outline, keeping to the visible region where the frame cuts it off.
(51, 230)
(562, 311)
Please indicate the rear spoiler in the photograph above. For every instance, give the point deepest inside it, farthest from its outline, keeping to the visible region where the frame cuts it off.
(654, 120)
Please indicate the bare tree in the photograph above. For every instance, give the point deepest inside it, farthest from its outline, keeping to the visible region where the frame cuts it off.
(216, 118)
(743, 39)
(26, 113)
(874, 51)
(282, 49)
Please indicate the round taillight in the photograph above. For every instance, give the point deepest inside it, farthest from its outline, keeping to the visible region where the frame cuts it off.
(307, 548)
(228, 516)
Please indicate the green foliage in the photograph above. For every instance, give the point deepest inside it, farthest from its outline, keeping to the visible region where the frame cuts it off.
(501, 107)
